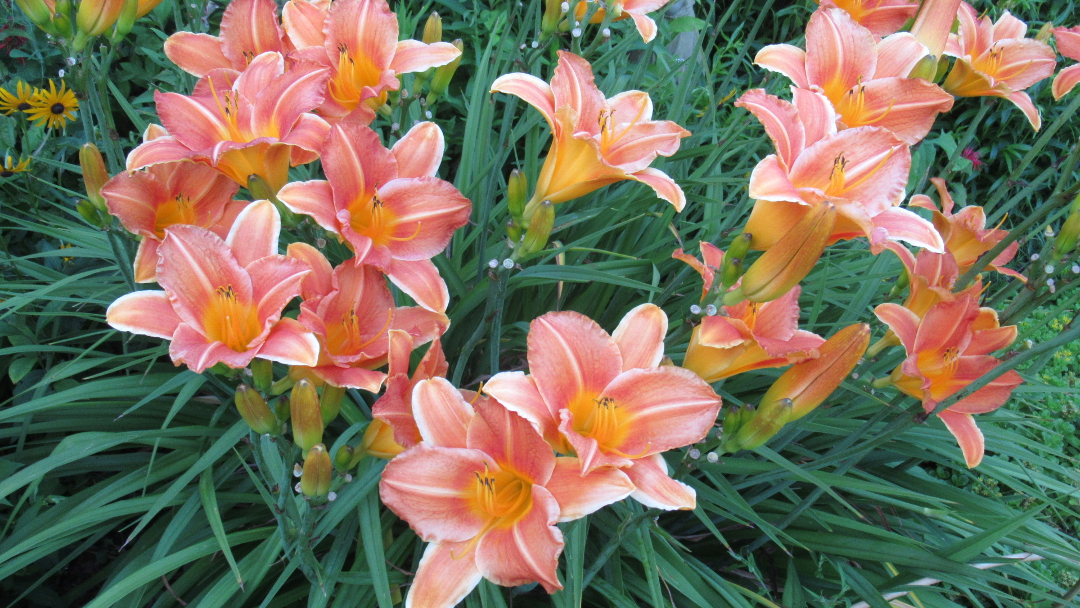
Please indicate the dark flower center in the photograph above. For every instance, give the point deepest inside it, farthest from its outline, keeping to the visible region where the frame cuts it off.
(57, 108)
(24, 106)
(6, 173)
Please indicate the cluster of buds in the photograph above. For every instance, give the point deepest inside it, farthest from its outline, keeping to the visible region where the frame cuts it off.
(87, 20)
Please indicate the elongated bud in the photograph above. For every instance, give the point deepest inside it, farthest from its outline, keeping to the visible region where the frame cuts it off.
(539, 231)
(62, 24)
(761, 426)
(550, 21)
(330, 402)
(934, 22)
(432, 28)
(128, 14)
(94, 174)
(343, 458)
(1066, 239)
(379, 441)
(808, 384)
(37, 12)
(902, 283)
(517, 192)
(262, 373)
(732, 267)
(927, 68)
(306, 415)
(255, 412)
(513, 231)
(283, 409)
(1045, 32)
(789, 260)
(95, 17)
(440, 80)
(63, 7)
(90, 213)
(315, 480)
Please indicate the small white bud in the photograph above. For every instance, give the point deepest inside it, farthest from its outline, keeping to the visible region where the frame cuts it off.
(508, 263)
(855, 376)
(1076, 268)
(427, 114)
(1050, 282)
(1053, 289)
(332, 496)
(522, 47)
(565, 7)
(694, 453)
(348, 477)
(404, 93)
(493, 263)
(71, 61)
(535, 44)
(61, 72)
(695, 309)
(395, 127)
(576, 32)
(712, 457)
(320, 243)
(710, 310)
(607, 32)
(1034, 257)
(297, 470)
(296, 488)
(1049, 269)
(1049, 232)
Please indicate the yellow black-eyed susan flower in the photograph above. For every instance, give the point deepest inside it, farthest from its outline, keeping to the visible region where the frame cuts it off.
(11, 167)
(53, 108)
(19, 101)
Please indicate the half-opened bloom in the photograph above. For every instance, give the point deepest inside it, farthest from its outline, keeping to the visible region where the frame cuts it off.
(1068, 44)
(394, 407)
(351, 311)
(249, 28)
(170, 194)
(965, 232)
(948, 349)
(748, 335)
(861, 171)
(995, 59)
(864, 78)
(387, 205)
(223, 298)
(486, 491)
(596, 140)
(637, 10)
(257, 122)
(881, 17)
(606, 398)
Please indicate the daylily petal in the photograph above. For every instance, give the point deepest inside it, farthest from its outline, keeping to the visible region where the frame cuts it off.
(423, 325)
(526, 552)
(191, 348)
(816, 114)
(770, 182)
(989, 397)
(579, 495)
(654, 488)
(664, 186)
(908, 226)
(571, 357)
(426, 212)
(147, 313)
(198, 263)
(441, 414)
(352, 377)
(905, 106)
(645, 26)
(159, 150)
(512, 441)
(839, 52)
(903, 323)
(573, 85)
(306, 138)
(517, 392)
(967, 434)
(1023, 101)
(196, 54)
(898, 54)
(195, 122)
(319, 281)
(433, 488)
(781, 121)
(447, 574)
(255, 233)
(248, 29)
(422, 282)
(355, 163)
(640, 336)
(303, 23)
(637, 145)
(532, 90)
(290, 343)
(275, 281)
(786, 59)
(415, 56)
(146, 259)
(314, 198)
(419, 151)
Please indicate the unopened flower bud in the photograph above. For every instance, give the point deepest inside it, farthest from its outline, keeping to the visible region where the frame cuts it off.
(440, 80)
(37, 12)
(306, 415)
(517, 188)
(759, 426)
(1068, 235)
(94, 174)
(379, 441)
(95, 17)
(89, 212)
(262, 373)
(255, 412)
(539, 231)
(432, 28)
(126, 20)
(330, 403)
(343, 458)
(315, 482)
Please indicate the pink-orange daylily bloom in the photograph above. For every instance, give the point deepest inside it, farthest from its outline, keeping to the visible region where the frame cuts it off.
(485, 490)
(1068, 44)
(865, 79)
(862, 171)
(351, 311)
(638, 10)
(948, 349)
(257, 122)
(387, 205)
(358, 42)
(965, 232)
(596, 140)
(223, 298)
(881, 17)
(249, 28)
(994, 59)
(394, 407)
(147, 202)
(607, 399)
(746, 336)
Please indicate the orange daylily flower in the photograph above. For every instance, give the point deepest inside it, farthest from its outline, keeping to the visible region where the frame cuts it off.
(253, 123)
(486, 492)
(995, 59)
(637, 10)
(861, 171)
(965, 232)
(1068, 44)
(394, 407)
(223, 298)
(358, 42)
(596, 140)
(865, 79)
(746, 336)
(351, 311)
(387, 205)
(948, 349)
(249, 28)
(881, 17)
(147, 202)
(607, 399)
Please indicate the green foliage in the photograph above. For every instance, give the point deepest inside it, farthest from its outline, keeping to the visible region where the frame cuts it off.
(125, 481)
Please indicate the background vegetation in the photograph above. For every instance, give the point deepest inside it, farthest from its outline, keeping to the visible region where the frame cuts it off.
(127, 482)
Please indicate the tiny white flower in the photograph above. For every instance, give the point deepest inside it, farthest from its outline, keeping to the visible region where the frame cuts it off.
(710, 310)
(712, 457)
(508, 263)
(332, 496)
(694, 453)
(607, 32)
(565, 7)
(695, 309)
(1049, 269)
(427, 114)
(62, 72)
(576, 32)
(535, 44)
(395, 127)
(1034, 257)
(493, 263)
